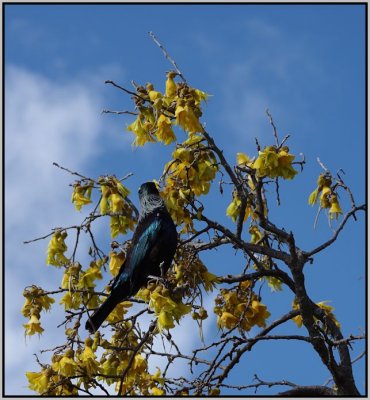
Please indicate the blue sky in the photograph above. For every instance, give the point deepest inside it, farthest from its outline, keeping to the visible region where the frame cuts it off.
(306, 63)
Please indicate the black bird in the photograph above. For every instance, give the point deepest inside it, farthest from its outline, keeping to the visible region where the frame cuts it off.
(152, 249)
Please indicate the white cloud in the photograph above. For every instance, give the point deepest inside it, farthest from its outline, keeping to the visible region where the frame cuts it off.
(45, 122)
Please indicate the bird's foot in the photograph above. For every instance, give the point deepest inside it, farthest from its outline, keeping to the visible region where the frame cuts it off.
(159, 279)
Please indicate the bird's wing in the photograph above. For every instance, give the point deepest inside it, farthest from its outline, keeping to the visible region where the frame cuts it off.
(140, 249)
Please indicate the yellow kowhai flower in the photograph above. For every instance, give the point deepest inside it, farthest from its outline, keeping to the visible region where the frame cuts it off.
(335, 209)
(117, 202)
(328, 311)
(322, 304)
(81, 195)
(227, 320)
(233, 209)
(312, 199)
(141, 128)
(116, 261)
(39, 381)
(56, 250)
(66, 366)
(190, 270)
(87, 279)
(167, 309)
(71, 300)
(164, 130)
(33, 326)
(171, 87)
(256, 235)
(275, 163)
(323, 187)
(260, 314)
(325, 197)
(120, 224)
(243, 159)
(186, 118)
(153, 95)
(240, 307)
(36, 298)
(199, 96)
(156, 391)
(119, 311)
(88, 359)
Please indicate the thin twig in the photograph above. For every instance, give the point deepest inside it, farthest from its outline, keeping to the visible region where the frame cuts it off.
(166, 54)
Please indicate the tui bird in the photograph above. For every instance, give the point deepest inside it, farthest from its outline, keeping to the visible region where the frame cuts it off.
(152, 249)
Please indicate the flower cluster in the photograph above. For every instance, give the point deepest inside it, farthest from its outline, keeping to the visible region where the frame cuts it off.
(56, 249)
(36, 301)
(115, 360)
(322, 304)
(78, 284)
(189, 270)
(81, 194)
(274, 162)
(166, 306)
(233, 210)
(48, 382)
(158, 112)
(113, 201)
(325, 191)
(240, 308)
(190, 172)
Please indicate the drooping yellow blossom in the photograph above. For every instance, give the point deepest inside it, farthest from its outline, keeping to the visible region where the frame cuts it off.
(33, 325)
(171, 88)
(113, 200)
(81, 195)
(233, 209)
(119, 311)
(227, 320)
(199, 96)
(335, 209)
(190, 270)
(240, 307)
(328, 311)
(243, 159)
(153, 95)
(116, 261)
(88, 359)
(66, 366)
(143, 127)
(36, 299)
(56, 250)
(39, 381)
(322, 304)
(164, 306)
(156, 391)
(117, 202)
(88, 278)
(71, 300)
(186, 118)
(324, 192)
(256, 235)
(164, 132)
(324, 197)
(201, 315)
(274, 163)
(188, 174)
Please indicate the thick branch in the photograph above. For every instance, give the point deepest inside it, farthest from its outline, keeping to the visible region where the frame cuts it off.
(305, 391)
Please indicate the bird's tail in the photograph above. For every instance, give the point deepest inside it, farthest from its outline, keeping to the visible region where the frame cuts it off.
(100, 315)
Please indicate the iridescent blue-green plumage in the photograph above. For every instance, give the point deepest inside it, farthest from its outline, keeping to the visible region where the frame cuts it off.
(152, 249)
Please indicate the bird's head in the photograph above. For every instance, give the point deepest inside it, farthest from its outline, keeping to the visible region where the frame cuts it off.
(150, 199)
(148, 188)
